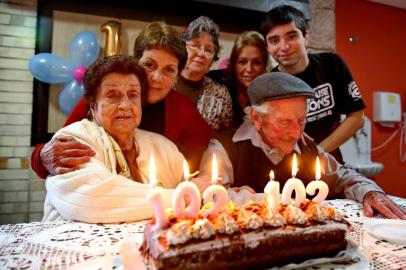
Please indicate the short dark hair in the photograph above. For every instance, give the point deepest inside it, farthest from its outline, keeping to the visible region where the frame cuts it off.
(252, 38)
(159, 35)
(282, 15)
(201, 25)
(108, 64)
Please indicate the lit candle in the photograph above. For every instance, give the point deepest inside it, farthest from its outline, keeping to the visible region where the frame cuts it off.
(215, 192)
(186, 174)
(318, 184)
(293, 184)
(272, 190)
(155, 198)
(186, 189)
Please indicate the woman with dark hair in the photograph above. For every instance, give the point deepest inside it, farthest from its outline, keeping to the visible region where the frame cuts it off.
(161, 51)
(211, 98)
(248, 59)
(112, 186)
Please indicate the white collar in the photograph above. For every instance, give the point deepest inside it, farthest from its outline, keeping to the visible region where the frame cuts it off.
(247, 131)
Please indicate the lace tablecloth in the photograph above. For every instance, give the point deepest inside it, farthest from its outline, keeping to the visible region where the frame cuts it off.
(74, 245)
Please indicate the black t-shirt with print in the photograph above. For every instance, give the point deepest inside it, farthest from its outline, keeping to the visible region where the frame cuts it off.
(336, 94)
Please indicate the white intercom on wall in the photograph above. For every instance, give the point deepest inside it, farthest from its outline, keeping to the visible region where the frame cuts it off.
(387, 109)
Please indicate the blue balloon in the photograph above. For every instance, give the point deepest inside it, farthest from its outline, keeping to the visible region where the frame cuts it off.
(70, 95)
(50, 68)
(84, 49)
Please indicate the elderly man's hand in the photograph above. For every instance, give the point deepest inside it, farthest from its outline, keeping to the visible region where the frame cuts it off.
(64, 154)
(380, 202)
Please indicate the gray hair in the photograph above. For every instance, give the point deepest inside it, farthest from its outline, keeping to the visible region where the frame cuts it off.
(201, 25)
(263, 108)
(266, 107)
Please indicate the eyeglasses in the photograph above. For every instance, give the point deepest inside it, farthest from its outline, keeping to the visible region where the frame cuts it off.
(195, 48)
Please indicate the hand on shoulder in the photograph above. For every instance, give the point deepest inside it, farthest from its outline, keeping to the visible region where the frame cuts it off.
(64, 154)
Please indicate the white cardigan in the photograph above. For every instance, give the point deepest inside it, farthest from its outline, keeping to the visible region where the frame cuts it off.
(96, 193)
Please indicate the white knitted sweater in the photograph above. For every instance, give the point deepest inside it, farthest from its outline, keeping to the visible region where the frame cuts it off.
(96, 193)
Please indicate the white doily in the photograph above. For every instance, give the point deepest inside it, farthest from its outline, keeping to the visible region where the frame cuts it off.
(75, 245)
(64, 245)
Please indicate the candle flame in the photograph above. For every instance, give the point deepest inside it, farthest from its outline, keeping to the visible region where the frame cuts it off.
(294, 166)
(271, 175)
(318, 169)
(214, 170)
(152, 171)
(186, 173)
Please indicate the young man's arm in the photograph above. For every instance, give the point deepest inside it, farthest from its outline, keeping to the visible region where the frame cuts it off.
(344, 131)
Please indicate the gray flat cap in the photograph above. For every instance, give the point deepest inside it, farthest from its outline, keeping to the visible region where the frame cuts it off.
(277, 85)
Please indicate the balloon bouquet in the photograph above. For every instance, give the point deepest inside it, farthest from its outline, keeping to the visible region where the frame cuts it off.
(46, 67)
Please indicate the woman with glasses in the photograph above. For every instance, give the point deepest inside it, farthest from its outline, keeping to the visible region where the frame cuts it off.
(211, 98)
(161, 51)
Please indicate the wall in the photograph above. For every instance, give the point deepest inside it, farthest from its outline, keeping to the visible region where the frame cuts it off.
(378, 62)
(322, 35)
(21, 193)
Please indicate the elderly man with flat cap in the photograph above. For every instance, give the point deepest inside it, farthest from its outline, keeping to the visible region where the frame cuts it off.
(273, 133)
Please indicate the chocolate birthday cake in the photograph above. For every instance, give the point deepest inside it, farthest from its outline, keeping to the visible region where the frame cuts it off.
(251, 235)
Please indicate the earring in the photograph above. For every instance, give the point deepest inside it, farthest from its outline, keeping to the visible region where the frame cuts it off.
(174, 83)
(91, 113)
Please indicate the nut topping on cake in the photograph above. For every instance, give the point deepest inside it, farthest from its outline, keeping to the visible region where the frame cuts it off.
(272, 218)
(334, 214)
(294, 215)
(224, 223)
(249, 220)
(202, 229)
(316, 212)
(179, 233)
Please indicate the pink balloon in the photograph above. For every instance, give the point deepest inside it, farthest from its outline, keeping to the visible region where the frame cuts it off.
(223, 63)
(79, 73)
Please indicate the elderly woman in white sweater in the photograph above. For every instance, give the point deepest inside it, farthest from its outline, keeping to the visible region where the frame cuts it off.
(113, 185)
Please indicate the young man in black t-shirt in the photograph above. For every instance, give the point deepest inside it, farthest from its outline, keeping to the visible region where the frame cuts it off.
(285, 31)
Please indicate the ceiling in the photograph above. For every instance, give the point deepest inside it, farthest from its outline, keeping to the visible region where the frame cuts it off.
(393, 3)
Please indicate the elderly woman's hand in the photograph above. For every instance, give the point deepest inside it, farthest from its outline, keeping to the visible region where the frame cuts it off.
(380, 202)
(64, 154)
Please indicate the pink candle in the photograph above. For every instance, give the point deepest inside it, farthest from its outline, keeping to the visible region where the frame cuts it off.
(293, 184)
(319, 185)
(272, 190)
(155, 198)
(215, 192)
(189, 190)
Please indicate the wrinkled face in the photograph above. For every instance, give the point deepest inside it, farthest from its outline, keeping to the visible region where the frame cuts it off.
(161, 67)
(249, 65)
(200, 53)
(117, 106)
(282, 127)
(286, 44)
